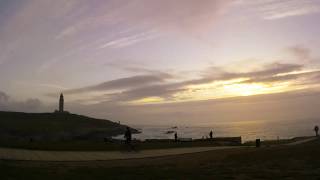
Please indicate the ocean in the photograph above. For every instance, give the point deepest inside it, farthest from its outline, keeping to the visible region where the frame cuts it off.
(248, 130)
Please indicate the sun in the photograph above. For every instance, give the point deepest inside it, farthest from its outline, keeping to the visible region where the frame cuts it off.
(148, 100)
(246, 89)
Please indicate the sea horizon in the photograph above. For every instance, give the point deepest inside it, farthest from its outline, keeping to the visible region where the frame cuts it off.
(248, 130)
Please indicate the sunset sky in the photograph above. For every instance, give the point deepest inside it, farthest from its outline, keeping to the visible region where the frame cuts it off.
(144, 60)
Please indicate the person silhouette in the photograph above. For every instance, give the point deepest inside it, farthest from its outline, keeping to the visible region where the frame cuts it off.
(175, 137)
(316, 129)
(127, 136)
(211, 134)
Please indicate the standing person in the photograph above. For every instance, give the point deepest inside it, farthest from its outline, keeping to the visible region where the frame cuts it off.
(316, 129)
(211, 134)
(175, 137)
(127, 135)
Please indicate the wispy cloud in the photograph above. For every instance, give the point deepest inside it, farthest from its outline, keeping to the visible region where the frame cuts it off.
(124, 83)
(127, 41)
(147, 14)
(59, 31)
(275, 9)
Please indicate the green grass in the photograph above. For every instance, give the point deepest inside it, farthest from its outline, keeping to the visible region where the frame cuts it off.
(280, 162)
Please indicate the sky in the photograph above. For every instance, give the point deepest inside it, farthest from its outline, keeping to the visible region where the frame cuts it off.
(168, 61)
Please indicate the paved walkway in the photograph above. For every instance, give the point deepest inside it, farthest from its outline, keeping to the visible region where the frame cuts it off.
(37, 155)
(302, 141)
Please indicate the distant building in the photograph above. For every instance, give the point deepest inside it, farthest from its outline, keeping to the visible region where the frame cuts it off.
(61, 103)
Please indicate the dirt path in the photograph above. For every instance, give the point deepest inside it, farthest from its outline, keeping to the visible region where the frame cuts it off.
(302, 141)
(36, 155)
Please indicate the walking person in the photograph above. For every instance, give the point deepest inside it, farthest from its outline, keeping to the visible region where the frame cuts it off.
(175, 137)
(127, 136)
(211, 134)
(316, 129)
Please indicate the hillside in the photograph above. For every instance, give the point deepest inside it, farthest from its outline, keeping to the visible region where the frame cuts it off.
(56, 126)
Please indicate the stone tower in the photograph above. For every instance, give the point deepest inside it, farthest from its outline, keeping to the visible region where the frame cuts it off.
(61, 102)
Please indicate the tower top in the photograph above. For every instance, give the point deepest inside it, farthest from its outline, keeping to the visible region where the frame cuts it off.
(61, 103)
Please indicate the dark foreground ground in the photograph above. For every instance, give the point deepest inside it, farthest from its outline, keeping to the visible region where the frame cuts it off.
(281, 162)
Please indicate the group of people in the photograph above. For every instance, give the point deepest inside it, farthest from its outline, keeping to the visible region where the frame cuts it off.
(176, 136)
(128, 136)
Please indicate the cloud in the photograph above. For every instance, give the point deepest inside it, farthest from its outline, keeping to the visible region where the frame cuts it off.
(29, 105)
(132, 66)
(164, 91)
(124, 83)
(212, 74)
(150, 14)
(4, 98)
(157, 85)
(125, 23)
(267, 70)
(127, 41)
(274, 9)
(136, 16)
(300, 53)
(283, 78)
(180, 14)
(62, 31)
(291, 106)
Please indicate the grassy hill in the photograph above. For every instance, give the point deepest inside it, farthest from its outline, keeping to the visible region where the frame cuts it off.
(56, 126)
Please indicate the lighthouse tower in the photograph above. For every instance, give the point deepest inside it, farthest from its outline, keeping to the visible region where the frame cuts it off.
(61, 103)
